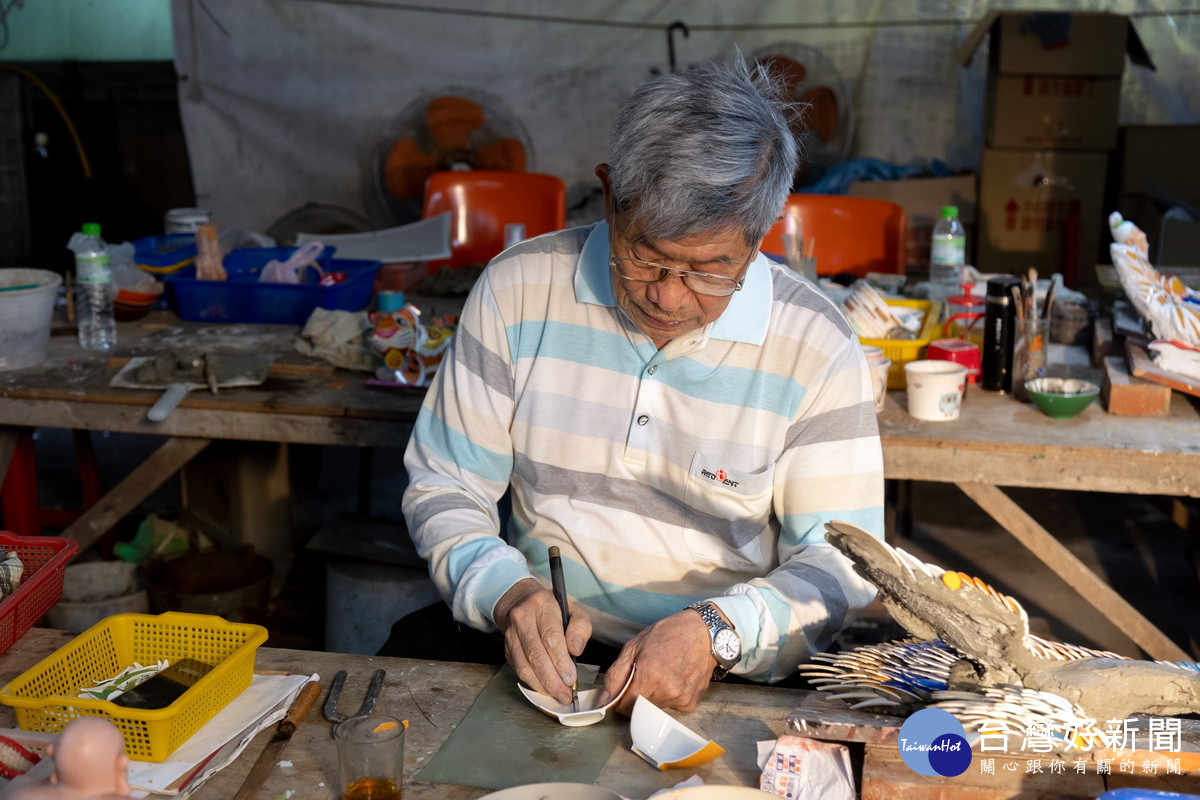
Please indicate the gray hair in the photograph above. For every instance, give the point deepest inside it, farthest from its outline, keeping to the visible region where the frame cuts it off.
(705, 150)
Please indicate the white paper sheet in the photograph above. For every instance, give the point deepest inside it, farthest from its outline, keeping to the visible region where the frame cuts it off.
(221, 739)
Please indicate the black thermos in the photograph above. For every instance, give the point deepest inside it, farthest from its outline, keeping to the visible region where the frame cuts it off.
(999, 334)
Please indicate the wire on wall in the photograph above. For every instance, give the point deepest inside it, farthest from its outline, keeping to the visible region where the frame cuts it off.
(62, 112)
(749, 26)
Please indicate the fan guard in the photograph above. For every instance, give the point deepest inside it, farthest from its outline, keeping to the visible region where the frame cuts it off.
(457, 127)
(825, 129)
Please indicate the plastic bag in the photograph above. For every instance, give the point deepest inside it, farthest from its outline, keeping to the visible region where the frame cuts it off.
(292, 270)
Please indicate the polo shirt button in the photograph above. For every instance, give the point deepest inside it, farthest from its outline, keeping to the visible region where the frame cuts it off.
(652, 369)
(643, 419)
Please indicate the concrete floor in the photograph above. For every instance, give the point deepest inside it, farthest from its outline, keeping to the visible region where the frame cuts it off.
(1128, 540)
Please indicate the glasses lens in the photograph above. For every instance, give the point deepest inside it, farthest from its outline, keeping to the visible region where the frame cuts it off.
(709, 284)
(699, 282)
(638, 270)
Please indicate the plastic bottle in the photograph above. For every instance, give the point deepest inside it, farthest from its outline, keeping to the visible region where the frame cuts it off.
(93, 274)
(947, 256)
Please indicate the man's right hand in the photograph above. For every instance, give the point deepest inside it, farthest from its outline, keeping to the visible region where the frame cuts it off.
(534, 643)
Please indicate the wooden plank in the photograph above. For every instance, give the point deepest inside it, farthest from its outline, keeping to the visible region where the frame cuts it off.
(133, 489)
(1142, 366)
(1067, 566)
(1125, 395)
(1042, 466)
(263, 425)
(886, 776)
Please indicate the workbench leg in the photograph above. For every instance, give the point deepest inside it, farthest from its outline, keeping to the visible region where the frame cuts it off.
(8, 446)
(1077, 575)
(19, 505)
(133, 489)
(897, 509)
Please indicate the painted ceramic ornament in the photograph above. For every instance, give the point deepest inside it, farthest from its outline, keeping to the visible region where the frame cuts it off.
(1171, 308)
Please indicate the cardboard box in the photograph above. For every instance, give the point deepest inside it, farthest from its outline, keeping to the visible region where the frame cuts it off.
(1180, 244)
(1054, 78)
(1056, 43)
(922, 200)
(1159, 157)
(1064, 112)
(1042, 209)
(1174, 240)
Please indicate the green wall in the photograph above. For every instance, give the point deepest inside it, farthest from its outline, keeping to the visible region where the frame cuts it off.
(87, 30)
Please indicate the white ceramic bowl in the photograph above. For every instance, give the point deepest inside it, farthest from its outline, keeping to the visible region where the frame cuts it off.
(589, 713)
(554, 791)
(714, 793)
(666, 742)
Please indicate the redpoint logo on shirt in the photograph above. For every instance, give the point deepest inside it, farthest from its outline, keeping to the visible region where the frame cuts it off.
(720, 476)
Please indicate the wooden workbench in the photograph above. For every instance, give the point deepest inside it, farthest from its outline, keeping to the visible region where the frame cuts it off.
(435, 696)
(302, 401)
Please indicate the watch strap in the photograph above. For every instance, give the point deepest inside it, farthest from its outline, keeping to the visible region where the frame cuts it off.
(711, 615)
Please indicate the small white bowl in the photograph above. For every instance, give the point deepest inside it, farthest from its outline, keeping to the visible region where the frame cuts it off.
(554, 791)
(666, 742)
(589, 713)
(714, 793)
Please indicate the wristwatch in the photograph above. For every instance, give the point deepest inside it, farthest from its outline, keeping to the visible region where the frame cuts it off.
(726, 644)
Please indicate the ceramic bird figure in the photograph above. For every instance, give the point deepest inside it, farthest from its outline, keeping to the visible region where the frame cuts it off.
(973, 654)
(1172, 309)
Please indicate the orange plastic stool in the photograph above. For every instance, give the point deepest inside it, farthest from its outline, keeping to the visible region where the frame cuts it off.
(19, 505)
(482, 202)
(847, 234)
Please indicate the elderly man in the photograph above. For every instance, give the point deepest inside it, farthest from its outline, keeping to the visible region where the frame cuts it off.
(676, 413)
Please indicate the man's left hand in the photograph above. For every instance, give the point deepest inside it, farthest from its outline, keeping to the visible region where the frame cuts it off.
(674, 665)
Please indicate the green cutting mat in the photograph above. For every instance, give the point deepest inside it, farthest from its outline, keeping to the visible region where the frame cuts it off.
(506, 741)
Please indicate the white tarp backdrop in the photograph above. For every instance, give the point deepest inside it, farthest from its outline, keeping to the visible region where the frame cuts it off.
(286, 101)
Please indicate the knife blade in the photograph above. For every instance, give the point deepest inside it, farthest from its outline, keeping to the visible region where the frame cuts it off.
(283, 734)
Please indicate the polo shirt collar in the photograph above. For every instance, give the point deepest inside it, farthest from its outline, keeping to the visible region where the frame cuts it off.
(744, 319)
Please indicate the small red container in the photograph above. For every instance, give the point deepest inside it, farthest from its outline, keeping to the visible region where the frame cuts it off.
(960, 351)
(44, 558)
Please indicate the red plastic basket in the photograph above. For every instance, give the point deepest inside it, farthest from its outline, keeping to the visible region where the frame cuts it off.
(44, 558)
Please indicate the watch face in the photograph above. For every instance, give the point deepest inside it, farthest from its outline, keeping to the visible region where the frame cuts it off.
(727, 645)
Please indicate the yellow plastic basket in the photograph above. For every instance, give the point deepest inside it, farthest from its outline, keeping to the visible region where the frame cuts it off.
(902, 351)
(44, 696)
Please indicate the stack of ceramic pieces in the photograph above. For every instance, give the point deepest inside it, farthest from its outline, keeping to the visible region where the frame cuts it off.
(1061, 651)
(896, 676)
(1017, 712)
(868, 314)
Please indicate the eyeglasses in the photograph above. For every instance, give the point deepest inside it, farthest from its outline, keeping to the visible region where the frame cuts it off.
(638, 271)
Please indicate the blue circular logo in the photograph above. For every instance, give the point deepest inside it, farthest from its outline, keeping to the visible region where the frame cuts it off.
(932, 742)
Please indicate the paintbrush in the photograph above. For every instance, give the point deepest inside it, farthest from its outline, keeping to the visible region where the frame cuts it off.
(1019, 304)
(559, 583)
(1049, 299)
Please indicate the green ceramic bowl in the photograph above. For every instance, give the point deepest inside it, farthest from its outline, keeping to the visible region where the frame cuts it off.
(1061, 398)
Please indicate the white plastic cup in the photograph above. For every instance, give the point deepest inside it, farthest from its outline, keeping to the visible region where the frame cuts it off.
(935, 389)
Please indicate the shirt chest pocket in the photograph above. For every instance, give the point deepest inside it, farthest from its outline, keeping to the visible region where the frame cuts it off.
(728, 510)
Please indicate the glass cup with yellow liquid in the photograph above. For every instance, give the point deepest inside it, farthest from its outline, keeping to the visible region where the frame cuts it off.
(370, 752)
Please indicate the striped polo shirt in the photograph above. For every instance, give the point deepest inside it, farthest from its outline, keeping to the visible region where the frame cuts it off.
(704, 470)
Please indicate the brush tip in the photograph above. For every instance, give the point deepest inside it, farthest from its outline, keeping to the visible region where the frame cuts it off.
(554, 552)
